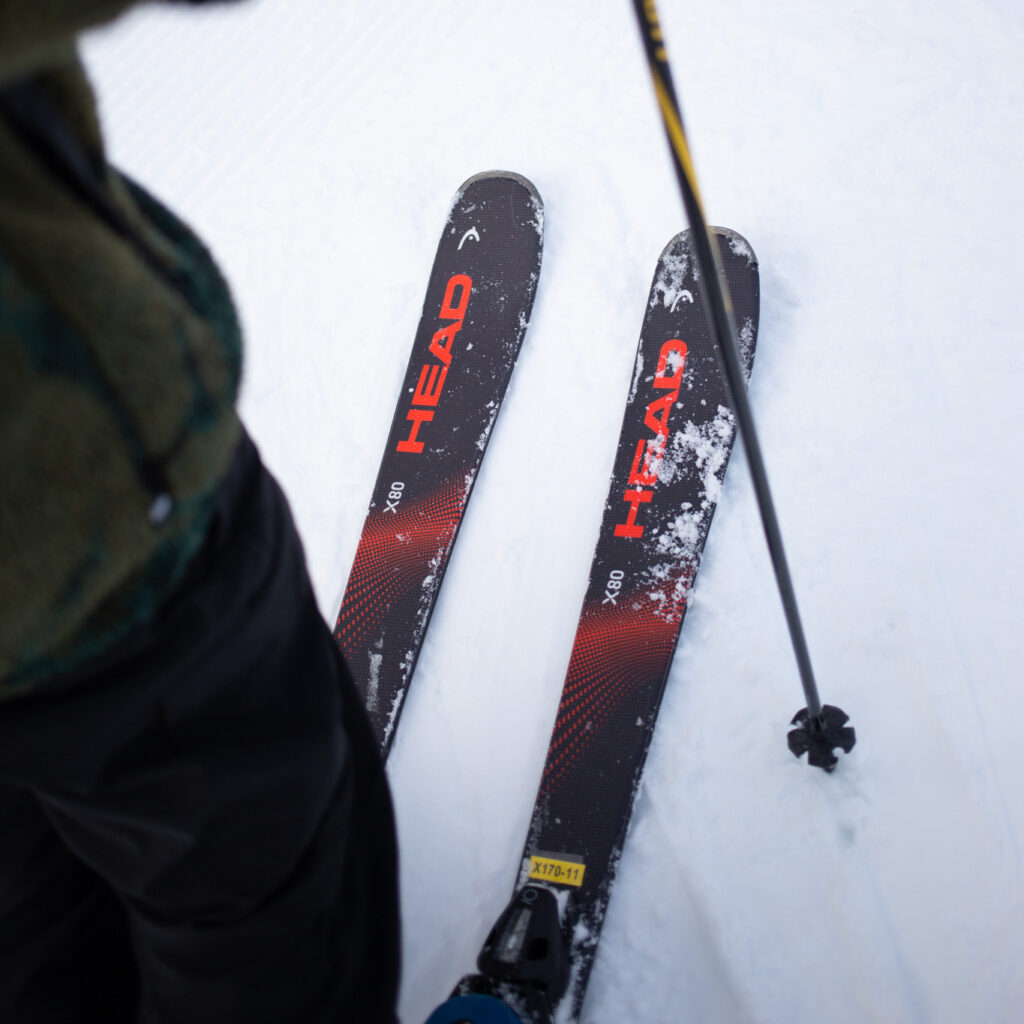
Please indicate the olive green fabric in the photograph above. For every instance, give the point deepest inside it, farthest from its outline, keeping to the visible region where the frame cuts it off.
(36, 34)
(110, 365)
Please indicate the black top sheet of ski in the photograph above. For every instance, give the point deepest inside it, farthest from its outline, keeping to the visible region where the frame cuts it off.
(474, 318)
(677, 435)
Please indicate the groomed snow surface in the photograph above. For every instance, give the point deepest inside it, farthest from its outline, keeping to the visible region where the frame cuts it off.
(872, 154)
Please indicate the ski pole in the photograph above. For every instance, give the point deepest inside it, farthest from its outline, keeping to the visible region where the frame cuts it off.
(819, 728)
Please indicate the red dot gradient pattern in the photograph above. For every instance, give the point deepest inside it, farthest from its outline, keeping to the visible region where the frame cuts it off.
(398, 565)
(618, 650)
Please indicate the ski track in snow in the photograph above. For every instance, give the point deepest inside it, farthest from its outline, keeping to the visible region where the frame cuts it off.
(871, 155)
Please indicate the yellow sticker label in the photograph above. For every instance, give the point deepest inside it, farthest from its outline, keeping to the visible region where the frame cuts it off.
(557, 870)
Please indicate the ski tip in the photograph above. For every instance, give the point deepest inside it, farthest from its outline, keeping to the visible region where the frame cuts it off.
(511, 175)
(473, 1009)
(737, 243)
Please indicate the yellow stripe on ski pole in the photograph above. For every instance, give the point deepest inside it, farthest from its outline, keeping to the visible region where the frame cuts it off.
(674, 127)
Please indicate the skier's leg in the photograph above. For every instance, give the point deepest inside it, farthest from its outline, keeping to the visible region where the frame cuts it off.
(64, 949)
(222, 780)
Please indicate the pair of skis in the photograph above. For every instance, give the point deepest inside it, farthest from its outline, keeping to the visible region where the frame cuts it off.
(676, 438)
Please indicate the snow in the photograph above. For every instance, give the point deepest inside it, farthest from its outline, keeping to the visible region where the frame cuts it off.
(872, 154)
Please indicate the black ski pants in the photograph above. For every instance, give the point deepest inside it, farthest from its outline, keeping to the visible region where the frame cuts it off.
(198, 828)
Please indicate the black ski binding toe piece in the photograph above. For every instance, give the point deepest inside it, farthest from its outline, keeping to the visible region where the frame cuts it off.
(818, 738)
(527, 946)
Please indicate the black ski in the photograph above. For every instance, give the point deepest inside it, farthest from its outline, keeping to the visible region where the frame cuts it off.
(676, 438)
(474, 318)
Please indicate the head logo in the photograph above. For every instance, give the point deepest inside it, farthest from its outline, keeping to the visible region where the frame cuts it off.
(432, 377)
(643, 474)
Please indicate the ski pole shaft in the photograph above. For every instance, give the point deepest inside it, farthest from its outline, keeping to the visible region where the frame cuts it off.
(716, 297)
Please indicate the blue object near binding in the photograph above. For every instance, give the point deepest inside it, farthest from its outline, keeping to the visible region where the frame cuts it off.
(473, 1009)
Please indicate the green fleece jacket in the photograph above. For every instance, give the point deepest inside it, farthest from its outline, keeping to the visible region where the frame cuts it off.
(120, 358)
